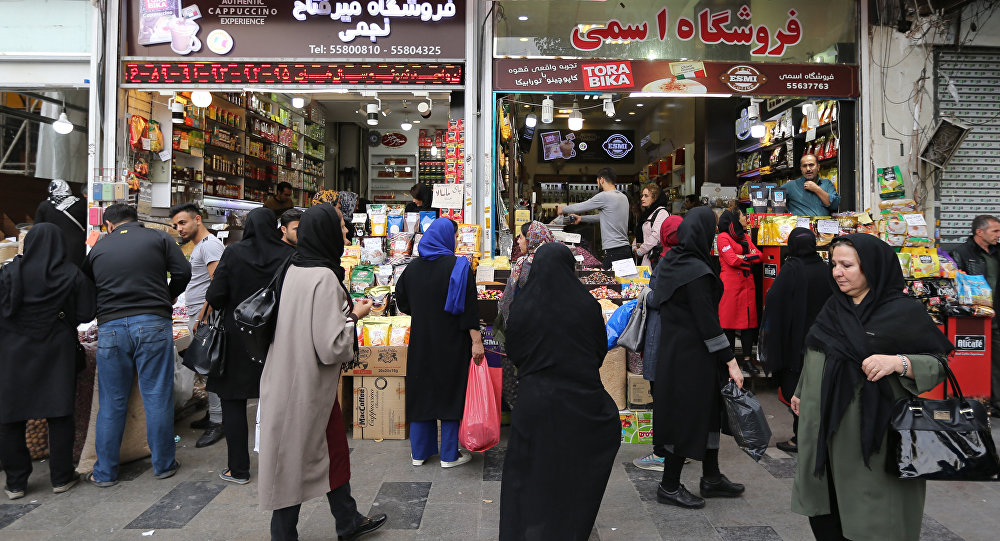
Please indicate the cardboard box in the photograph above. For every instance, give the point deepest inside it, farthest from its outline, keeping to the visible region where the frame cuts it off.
(613, 376)
(637, 426)
(380, 408)
(639, 397)
(378, 361)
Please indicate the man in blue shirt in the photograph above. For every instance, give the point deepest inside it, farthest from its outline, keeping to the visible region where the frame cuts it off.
(810, 195)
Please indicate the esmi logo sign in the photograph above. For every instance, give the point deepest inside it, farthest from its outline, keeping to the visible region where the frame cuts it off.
(970, 342)
(617, 146)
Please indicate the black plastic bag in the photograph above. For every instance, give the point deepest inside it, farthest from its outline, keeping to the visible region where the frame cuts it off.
(746, 420)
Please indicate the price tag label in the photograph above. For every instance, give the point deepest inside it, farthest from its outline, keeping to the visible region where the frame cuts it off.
(828, 227)
(624, 268)
(811, 135)
(914, 219)
(165, 155)
(448, 196)
(485, 273)
(802, 222)
(572, 238)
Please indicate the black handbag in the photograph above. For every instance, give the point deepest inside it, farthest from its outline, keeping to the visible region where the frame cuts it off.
(944, 440)
(207, 353)
(256, 317)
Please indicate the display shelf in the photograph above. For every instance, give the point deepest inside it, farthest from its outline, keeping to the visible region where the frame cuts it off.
(751, 174)
(822, 129)
(224, 125)
(268, 141)
(185, 127)
(209, 171)
(760, 146)
(191, 152)
(214, 147)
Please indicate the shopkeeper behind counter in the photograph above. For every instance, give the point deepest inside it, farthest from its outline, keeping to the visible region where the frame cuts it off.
(612, 212)
(810, 195)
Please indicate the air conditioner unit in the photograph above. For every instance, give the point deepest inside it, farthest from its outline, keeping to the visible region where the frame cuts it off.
(944, 142)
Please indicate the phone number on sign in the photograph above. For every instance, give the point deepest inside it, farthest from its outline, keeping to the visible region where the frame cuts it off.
(393, 50)
(807, 86)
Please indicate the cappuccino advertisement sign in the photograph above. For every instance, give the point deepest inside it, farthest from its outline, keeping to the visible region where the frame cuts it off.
(680, 78)
(300, 29)
(587, 146)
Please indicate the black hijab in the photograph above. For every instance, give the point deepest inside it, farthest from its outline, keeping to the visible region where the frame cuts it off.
(261, 247)
(42, 279)
(690, 259)
(321, 240)
(885, 322)
(552, 280)
(729, 223)
(792, 303)
(660, 202)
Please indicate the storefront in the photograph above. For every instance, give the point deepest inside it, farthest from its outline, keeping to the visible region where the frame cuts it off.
(681, 88)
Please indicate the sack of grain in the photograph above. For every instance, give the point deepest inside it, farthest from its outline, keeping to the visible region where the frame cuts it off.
(37, 436)
(613, 376)
(134, 444)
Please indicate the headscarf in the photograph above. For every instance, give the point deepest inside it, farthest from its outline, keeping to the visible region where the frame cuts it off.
(261, 247)
(729, 223)
(646, 214)
(41, 279)
(438, 241)
(885, 322)
(321, 240)
(538, 234)
(792, 303)
(348, 203)
(60, 195)
(690, 258)
(325, 196)
(553, 281)
(668, 233)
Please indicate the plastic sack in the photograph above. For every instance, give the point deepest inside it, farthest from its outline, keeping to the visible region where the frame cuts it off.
(746, 420)
(480, 426)
(618, 321)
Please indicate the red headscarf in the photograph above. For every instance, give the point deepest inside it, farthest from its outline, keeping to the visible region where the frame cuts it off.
(668, 233)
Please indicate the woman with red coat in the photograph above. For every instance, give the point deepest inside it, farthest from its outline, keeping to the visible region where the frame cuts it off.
(738, 308)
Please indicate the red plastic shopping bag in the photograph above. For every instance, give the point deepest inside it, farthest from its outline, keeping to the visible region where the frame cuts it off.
(480, 427)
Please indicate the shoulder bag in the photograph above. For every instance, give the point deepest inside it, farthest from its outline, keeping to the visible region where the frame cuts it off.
(256, 317)
(634, 334)
(945, 440)
(207, 353)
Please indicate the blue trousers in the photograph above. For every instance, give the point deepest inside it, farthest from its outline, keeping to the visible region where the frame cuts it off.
(424, 440)
(136, 345)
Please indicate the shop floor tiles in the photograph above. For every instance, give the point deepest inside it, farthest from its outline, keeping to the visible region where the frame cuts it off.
(403, 503)
(9, 512)
(178, 507)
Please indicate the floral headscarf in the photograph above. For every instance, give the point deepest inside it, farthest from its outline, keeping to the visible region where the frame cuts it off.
(326, 196)
(538, 235)
(60, 195)
(348, 203)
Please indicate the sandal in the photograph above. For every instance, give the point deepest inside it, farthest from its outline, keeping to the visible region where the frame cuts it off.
(101, 484)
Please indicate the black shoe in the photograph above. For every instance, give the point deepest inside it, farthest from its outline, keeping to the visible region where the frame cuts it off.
(749, 368)
(368, 525)
(787, 446)
(201, 424)
(723, 488)
(213, 434)
(681, 498)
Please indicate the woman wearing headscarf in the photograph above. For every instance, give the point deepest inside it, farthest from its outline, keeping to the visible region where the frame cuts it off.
(439, 292)
(694, 361)
(245, 267)
(326, 196)
(651, 344)
(43, 297)
(421, 195)
(69, 212)
(347, 203)
(533, 234)
(303, 445)
(653, 204)
(796, 297)
(563, 409)
(869, 347)
(738, 307)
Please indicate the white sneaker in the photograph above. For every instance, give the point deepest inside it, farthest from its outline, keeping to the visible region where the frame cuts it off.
(417, 462)
(463, 457)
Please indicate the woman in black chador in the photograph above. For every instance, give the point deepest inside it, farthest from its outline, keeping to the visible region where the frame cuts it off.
(562, 409)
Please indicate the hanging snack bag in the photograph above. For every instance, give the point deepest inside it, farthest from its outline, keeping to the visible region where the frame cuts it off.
(360, 222)
(416, 244)
(362, 277)
(973, 290)
(904, 264)
(395, 224)
(411, 222)
(427, 217)
(400, 333)
(155, 136)
(380, 296)
(400, 244)
(468, 239)
(924, 265)
(372, 252)
(376, 331)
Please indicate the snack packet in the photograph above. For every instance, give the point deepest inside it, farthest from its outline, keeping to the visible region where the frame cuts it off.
(468, 239)
(383, 275)
(379, 224)
(973, 290)
(380, 296)
(372, 252)
(400, 333)
(395, 224)
(359, 221)
(400, 244)
(362, 277)
(427, 217)
(904, 264)
(376, 332)
(924, 265)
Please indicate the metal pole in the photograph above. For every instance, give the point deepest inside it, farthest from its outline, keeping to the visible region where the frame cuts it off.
(94, 103)
(13, 143)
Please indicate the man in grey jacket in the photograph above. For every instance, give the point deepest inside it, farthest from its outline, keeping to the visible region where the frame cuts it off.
(612, 212)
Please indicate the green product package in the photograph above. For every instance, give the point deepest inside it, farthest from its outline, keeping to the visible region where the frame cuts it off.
(890, 183)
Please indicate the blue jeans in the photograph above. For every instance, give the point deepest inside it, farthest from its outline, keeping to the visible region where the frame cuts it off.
(424, 440)
(128, 346)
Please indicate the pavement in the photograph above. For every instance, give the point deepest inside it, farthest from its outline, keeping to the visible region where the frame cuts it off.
(462, 503)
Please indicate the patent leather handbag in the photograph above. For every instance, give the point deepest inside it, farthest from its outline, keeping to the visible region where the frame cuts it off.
(944, 440)
(207, 353)
(256, 317)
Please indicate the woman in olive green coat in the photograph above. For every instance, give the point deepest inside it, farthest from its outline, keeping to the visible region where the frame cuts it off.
(869, 347)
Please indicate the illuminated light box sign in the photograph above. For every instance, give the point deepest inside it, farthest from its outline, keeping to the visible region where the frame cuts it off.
(291, 73)
(586, 146)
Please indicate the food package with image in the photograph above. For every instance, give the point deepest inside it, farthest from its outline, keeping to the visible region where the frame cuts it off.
(372, 251)
(362, 278)
(469, 236)
(376, 331)
(427, 217)
(400, 244)
(394, 224)
(380, 297)
(360, 223)
(155, 17)
(399, 335)
(890, 182)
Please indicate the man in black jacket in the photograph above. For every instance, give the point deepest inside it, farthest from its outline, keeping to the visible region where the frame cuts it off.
(130, 267)
(980, 255)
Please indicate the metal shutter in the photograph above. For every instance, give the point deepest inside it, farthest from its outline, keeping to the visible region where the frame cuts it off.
(970, 185)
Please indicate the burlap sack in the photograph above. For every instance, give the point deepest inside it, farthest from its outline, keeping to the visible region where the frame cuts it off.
(613, 376)
(134, 445)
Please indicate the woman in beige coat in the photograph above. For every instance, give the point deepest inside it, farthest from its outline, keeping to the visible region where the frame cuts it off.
(303, 455)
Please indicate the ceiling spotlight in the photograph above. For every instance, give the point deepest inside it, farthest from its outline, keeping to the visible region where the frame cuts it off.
(575, 118)
(531, 120)
(424, 108)
(176, 111)
(372, 114)
(298, 102)
(548, 110)
(406, 125)
(609, 107)
(757, 129)
(639, 104)
(618, 120)
(523, 18)
(62, 126)
(201, 98)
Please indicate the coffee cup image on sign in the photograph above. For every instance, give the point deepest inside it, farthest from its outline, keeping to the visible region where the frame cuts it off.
(183, 36)
(155, 17)
(675, 86)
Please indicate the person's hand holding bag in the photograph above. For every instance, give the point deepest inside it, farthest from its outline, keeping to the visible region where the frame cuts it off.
(362, 307)
(735, 373)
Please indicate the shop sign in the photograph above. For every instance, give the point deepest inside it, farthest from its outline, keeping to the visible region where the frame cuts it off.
(289, 73)
(743, 125)
(617, 146)
(675, 78)
(587, 146)
(607, 75)
(770, 270)
(316, 30)
(393, 140)
(970, 342)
